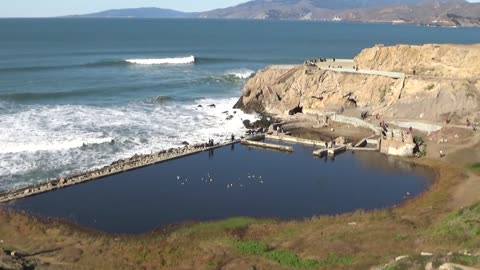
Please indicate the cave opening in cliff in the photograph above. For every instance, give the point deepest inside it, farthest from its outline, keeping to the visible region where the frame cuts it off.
(298, 109)
(351, 103)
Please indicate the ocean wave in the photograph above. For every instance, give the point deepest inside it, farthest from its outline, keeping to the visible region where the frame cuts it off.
(53, 144)
(232, 76)
(44, 141)
(241, 73)
(163, 61)
(109, 63)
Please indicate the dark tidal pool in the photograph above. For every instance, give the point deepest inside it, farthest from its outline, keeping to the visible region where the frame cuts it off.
(233, 181)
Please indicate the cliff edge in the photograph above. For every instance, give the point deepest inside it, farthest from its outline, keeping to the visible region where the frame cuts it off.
(435, 82)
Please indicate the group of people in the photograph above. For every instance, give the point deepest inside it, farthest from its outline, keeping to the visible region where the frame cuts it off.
(332, 144)
(210, 143)
(313, 62)
(253, 131)
(279, 129)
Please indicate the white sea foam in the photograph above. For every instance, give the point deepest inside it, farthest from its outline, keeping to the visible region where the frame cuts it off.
(163, 61)
(241, 73)
(41, 142)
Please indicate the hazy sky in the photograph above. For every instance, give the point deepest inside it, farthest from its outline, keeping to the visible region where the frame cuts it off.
(46, 8)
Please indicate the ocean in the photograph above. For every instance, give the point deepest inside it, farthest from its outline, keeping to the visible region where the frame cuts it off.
(77, 94)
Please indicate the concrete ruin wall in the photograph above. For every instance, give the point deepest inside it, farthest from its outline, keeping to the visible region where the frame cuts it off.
(398, 143)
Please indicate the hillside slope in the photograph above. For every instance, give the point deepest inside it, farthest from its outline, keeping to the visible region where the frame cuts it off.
(431, 12)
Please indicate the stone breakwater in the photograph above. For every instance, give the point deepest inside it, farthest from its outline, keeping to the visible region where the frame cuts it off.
(120, 166)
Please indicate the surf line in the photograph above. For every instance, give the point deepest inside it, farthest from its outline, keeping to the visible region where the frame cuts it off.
(117, 167)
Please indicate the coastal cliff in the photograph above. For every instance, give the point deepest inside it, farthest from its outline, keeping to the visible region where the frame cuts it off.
(445, 85)
(443, 61)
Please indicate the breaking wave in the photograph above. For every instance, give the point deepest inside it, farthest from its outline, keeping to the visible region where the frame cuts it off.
(106, 63)
(163, 61)
(44, 141)
(241, 73)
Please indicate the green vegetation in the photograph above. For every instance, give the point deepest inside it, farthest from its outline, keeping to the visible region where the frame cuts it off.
(286, 257)
(418, 140)
(429, 87)
(461, 227)
(423, 151)
(421, 144)
(465, 259)
(474, 166)
(252, 247)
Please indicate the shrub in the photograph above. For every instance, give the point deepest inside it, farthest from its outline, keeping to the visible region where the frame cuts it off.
(474, 166)
(429, 87)
(287, 257)
(252, 247)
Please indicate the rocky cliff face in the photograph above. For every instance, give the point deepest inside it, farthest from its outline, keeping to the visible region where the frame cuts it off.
(451, 88)
(450, 61)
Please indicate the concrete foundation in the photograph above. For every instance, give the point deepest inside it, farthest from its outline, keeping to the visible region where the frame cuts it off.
(267, 145)
(287, 138)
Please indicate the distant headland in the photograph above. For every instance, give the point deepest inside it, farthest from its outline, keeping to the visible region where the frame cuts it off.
(446, 13)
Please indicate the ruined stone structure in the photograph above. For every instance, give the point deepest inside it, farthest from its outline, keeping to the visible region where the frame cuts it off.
(397, 143)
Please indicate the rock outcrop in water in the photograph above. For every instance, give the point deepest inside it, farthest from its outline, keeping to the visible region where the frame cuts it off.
(446, 84)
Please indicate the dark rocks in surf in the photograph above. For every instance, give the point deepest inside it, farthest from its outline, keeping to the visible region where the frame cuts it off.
(247, 124)
(199, 106)
(185, 143)
(212, 106)
(230, 117)
(264, 122)
(239, 104)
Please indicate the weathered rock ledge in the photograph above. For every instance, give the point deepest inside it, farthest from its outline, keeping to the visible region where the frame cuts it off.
(440, 82)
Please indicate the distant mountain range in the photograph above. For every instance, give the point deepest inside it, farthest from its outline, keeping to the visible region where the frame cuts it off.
(147, 12)
(427, 12)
